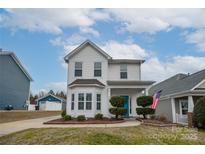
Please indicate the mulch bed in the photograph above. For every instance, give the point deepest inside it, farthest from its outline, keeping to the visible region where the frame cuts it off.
(88, 121)
(156, 123)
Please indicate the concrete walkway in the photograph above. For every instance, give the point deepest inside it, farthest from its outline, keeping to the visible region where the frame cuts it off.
(11, 127)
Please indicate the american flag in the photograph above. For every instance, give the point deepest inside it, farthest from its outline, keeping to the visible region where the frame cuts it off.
(156, 99)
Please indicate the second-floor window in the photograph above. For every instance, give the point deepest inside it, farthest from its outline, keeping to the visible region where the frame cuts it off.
(78, 69)
(123, 71)
(97, 69)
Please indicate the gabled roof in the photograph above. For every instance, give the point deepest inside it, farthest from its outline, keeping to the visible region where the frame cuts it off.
(83, 82)
(84, 44)
(59, 98)
(178, 83)
(3, 53)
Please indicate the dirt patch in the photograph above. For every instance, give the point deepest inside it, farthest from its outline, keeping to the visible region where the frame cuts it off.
(156, 123)
(88, 121)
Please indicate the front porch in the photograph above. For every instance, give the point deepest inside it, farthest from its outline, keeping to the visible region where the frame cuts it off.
(130, 90)
(182, 108)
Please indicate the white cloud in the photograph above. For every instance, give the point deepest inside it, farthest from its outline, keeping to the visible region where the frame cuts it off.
(154, 20)
(197, 38)
(90, 30)
(68, 43)
(155, 70)
(124, 50)
(57, 86)
(51, 20)
(70, 40)
(132, 20)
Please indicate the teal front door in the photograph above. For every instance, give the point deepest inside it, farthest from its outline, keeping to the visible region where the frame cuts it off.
(126, 106)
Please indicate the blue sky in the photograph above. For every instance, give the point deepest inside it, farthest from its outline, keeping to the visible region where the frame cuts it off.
(171, 41)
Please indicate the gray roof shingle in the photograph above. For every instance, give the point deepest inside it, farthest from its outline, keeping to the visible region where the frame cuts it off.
(86, 81)
(178, 83)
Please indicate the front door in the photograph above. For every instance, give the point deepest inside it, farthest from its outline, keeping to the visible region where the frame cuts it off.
(126, 106)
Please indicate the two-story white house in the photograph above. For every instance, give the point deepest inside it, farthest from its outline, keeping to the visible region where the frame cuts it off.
(93, 77)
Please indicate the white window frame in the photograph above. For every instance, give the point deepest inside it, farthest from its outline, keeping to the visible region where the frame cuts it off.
(88, 101)
(81, 101)
(72, 101)
(123, 70)
(180, 107)
(98, 102)
(98, 69)
(78, 69)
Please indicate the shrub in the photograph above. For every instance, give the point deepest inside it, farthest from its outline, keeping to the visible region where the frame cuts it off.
(63, 113)
(144, 111)
(81, 118)
(144, 101)
(199, 113)
(67, 117)
(117, 102)
(99, 116)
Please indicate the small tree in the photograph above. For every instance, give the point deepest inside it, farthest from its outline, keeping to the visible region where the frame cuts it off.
(199, 113)
(118, 106)
(144, 102)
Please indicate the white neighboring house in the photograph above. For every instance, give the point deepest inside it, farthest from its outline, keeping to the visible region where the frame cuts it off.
(50, 102)
(93, 77)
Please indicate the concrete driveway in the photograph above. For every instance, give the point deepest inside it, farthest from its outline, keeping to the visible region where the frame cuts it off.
(11, 127)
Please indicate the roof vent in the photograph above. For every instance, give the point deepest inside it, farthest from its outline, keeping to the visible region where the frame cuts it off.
(181, 76)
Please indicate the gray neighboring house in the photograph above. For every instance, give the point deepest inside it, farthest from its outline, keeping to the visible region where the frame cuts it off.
(14, 82)
(179, 94)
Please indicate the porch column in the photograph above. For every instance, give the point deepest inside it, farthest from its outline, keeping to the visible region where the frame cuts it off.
(190, 110)
(190, 104)
(146, 91)
(173, 110)
(108, 101)
(109, 93)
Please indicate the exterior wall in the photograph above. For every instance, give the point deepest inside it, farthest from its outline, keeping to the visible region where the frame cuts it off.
(87, 56)
(164, 108)
(87, 113)
(50, 106)
(133, 72)
(14, 85)
(50, 103)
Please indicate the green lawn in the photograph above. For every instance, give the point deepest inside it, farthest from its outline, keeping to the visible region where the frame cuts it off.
(132, 135)
(10, 116)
